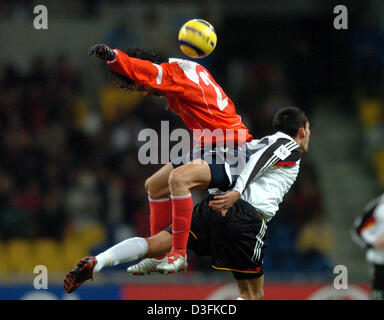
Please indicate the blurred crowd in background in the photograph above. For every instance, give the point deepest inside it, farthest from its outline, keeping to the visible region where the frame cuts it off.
(68, 163)
(369, 82)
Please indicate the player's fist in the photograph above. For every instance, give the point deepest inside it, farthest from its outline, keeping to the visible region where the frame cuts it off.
(102, 51)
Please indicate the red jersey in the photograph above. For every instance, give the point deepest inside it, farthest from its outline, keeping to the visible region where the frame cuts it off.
(192, 93)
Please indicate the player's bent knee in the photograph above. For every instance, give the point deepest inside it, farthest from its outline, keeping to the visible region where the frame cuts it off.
(252, 295)
(251, 289)
(176, 178)
(153, 190)
(150, 188)
(147, 185)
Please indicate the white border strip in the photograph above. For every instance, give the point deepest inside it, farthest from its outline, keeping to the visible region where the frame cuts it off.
(181, 197)
(159, 200)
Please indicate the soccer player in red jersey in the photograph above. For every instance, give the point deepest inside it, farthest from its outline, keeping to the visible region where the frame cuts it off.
(194, 95)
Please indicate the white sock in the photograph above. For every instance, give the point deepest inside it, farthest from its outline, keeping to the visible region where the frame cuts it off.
(125, 251)
(240, 298)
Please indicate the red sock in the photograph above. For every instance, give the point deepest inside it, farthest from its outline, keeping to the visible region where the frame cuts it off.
(182, 208)
(160, 214)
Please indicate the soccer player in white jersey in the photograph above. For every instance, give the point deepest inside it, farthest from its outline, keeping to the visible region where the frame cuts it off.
(230, 227)
(368, 232)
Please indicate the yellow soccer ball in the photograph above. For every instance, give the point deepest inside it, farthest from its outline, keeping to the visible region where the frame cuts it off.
(197, 38)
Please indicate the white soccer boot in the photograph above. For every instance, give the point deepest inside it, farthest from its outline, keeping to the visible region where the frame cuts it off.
(146, 266)
(174, 263)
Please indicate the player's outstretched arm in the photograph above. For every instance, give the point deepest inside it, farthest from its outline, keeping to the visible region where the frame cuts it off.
(102, 51)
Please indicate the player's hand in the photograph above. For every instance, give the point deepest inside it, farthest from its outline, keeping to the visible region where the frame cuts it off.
(379, 243)
(102, 51)
(223, 202)
(224, 212)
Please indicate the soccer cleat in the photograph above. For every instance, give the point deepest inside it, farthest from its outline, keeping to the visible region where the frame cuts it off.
(175, 263)
(79, 274)
(146, 266)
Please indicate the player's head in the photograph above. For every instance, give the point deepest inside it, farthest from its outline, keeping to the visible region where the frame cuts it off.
(293, 122)
(130, 85)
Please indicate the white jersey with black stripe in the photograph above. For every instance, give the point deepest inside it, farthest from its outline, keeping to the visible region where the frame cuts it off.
(368, 227)
(270, 172)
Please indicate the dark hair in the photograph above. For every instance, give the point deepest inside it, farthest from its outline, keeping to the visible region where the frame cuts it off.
(289, 120)
(126, 83)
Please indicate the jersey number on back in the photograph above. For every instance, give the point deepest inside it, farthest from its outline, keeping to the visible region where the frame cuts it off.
(221, 103)
(190, 71)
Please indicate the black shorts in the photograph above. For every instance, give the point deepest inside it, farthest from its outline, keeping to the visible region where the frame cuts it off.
(377, 289)
(235, 242)
(225, 164)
